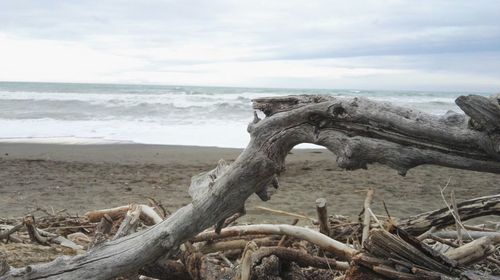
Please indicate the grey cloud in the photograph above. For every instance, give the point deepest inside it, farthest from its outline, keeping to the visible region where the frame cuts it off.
(347, 30)
(429, 35)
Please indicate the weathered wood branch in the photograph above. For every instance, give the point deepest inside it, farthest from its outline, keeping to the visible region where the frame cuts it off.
(468, 209)
(471, 235)
(5, 233)
(323, 241)
(35, 236)
(360, 131)
(148, 214)
(357, 130)
(234, 244)
(484, 112)
(474, 251)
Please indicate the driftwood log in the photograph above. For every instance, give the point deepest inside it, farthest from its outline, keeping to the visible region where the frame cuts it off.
(468, 209)
(358, 131)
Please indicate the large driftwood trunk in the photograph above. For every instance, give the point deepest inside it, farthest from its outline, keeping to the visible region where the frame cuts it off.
(358, 131)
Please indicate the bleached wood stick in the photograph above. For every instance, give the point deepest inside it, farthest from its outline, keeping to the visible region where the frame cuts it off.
(130, 221)
(246, 261)
(474, 251)
(481, 227)
(451, 234)
(148, 214)
(366, 220)
(285, 213)
(35, 236)
(324, 242)
(234, 244)
(113, 213)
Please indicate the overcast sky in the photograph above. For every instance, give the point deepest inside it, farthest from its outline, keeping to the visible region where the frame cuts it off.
(420, 45)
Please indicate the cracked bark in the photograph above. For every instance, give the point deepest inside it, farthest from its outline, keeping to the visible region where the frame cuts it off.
(358, 131)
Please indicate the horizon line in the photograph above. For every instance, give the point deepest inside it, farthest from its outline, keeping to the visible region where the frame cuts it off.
(250, 87)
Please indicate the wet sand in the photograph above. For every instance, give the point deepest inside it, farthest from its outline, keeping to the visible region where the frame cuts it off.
(88, 177)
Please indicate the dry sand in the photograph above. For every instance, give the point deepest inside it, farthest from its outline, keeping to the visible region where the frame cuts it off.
(84, 177)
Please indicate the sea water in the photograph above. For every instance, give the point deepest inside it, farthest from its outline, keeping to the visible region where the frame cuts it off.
(157, 114)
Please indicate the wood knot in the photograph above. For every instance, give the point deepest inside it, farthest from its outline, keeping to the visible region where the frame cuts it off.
(338, 110)
(315, 118)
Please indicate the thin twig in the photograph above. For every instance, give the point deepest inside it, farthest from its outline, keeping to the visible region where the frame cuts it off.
(458, 222)
(450, 209)
(375, 218)
(226, 260)
(386, 210)
(286, 213)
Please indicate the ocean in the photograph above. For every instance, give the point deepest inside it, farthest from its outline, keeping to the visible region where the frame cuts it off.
(155, 114)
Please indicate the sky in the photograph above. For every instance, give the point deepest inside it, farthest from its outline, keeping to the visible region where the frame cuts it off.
(405, 45)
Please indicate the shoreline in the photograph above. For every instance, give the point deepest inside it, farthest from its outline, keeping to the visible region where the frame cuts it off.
(90, 177)
(113, 152)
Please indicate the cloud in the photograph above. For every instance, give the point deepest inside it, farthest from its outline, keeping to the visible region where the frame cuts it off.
(47, 60)
(360, 44)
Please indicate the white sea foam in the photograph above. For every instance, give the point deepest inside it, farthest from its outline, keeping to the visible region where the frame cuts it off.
(228, 133)
(201, 116)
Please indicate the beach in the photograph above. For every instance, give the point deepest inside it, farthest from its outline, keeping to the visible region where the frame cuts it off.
(109, 112)
(79, 178)
(157, 114)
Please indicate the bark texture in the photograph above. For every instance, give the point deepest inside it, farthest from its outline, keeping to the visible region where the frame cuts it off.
(358, 131)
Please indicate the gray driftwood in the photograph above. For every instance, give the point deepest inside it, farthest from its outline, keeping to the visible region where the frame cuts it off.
(358, 131)
(397, 255)
(468, 209)
(322, 213)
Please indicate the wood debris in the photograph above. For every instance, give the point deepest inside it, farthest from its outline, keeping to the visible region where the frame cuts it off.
(319, 251)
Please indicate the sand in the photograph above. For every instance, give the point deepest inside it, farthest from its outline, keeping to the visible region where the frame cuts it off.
(88, 177)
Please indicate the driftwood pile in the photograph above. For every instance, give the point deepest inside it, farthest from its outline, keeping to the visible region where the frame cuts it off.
(433, 245)
(359, 132)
